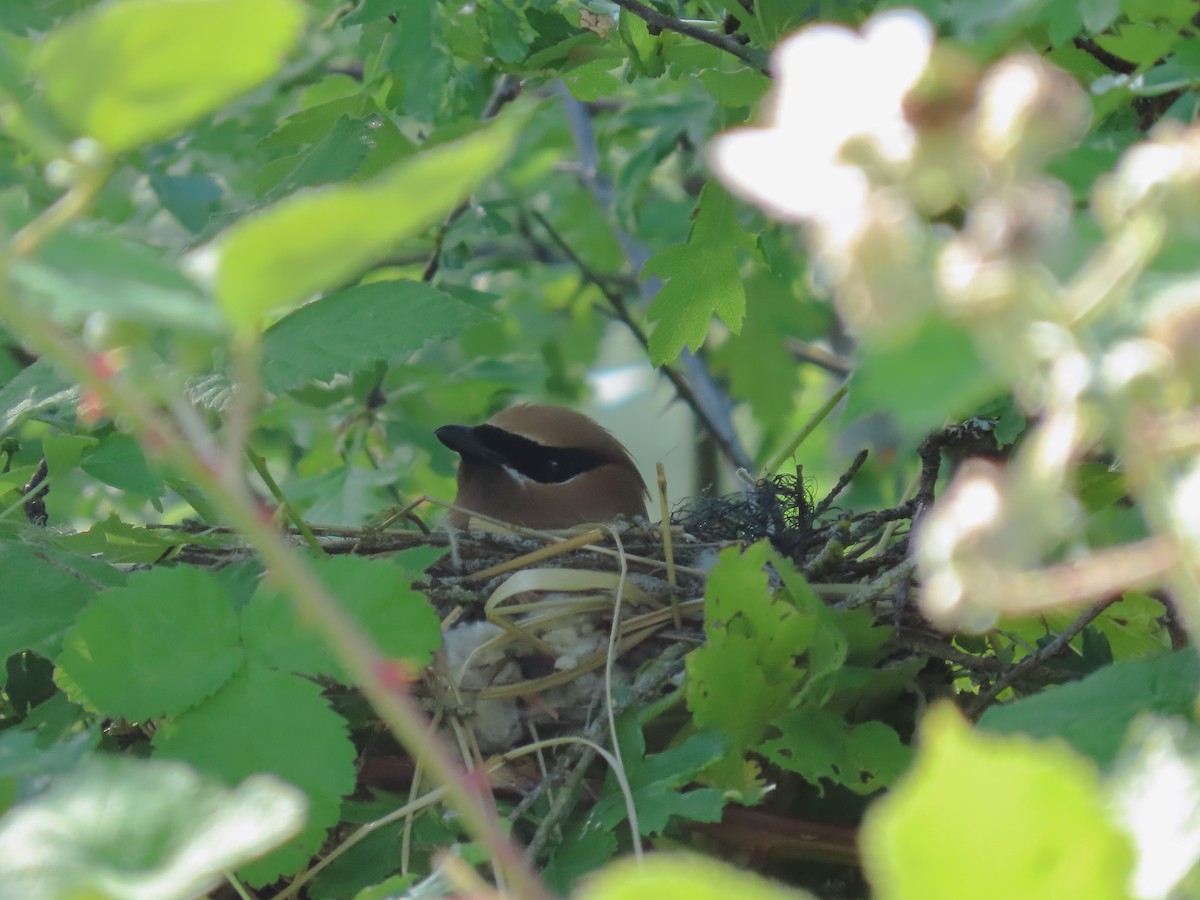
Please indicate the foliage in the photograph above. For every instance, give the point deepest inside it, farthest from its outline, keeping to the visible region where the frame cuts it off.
(253, 253)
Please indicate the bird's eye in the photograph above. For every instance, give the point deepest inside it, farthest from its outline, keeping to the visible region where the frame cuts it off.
(554, 466)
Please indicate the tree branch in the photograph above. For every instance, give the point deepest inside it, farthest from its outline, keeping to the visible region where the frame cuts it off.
(663, 22)
(717, 416)
(682, 389)
(1052, 649)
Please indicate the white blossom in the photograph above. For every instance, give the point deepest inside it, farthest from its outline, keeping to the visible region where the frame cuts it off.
(835, 87)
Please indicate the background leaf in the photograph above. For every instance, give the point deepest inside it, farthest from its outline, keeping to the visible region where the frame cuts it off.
(350, 329)
(132, 71)
(315, 240)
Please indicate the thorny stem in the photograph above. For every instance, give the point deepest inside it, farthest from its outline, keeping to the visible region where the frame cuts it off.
(381, 679)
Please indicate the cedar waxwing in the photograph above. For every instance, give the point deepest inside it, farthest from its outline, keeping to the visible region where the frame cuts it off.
(543, 467)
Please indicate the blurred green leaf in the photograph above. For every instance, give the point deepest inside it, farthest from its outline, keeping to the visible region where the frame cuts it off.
(135, 828)
(132, 71)
(1139, 44)
(315, 240)
(191, 199)
(63, 452)
(79, 272)
(1028, 813)
(679, 877)
(922, 381)
(352, 329)
(34, 389)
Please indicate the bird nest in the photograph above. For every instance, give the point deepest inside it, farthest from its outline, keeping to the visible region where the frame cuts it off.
(557, 633)
(531, 639)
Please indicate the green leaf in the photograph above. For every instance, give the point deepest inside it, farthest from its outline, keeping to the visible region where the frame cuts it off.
(1093, 715)
(263, 721)
(335, 157)
(745, 675)
(504, 32)
(682, 877)
(80, 272)
(920, 382)
(120, 543)
(191, 199)
(34, 389)
(657, 781)
(591, 81)
(702, 278)
(1099, 14)
(64, 452)
(318, 239)
(350, 330)
(386, 890)
(118, 461)
(1029, 814)
(1140, 44)
(414, 55)
(820, 745)
(121, 827)
(133, 71)
(377, 595)
(157, 646)
(580, 853)
(26, 761)
(741, 87)
(763, 370)
(414, 561)
(43, 593)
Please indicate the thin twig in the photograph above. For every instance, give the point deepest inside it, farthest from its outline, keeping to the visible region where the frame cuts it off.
(809, 427)
(683, 389)
(504, 90)
(846, 478)
(1052, 649)
(663, 22)
(707, 395)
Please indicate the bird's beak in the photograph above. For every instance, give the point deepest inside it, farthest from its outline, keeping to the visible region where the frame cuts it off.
(463, 440)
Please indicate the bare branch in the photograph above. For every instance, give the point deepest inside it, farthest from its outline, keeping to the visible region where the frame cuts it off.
(663, 22)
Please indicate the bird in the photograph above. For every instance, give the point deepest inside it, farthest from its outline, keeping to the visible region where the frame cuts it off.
(542, 466)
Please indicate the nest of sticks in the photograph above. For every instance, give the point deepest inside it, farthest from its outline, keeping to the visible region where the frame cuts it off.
(541, 639)
(549, 597)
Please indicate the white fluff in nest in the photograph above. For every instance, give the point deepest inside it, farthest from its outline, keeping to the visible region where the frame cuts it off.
(575, 641)
(496, 723)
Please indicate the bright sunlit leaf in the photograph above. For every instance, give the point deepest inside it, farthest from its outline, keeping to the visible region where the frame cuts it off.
(1029, 813)
(129, 72)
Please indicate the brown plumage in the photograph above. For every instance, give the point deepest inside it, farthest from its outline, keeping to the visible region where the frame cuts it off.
(543, 467)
